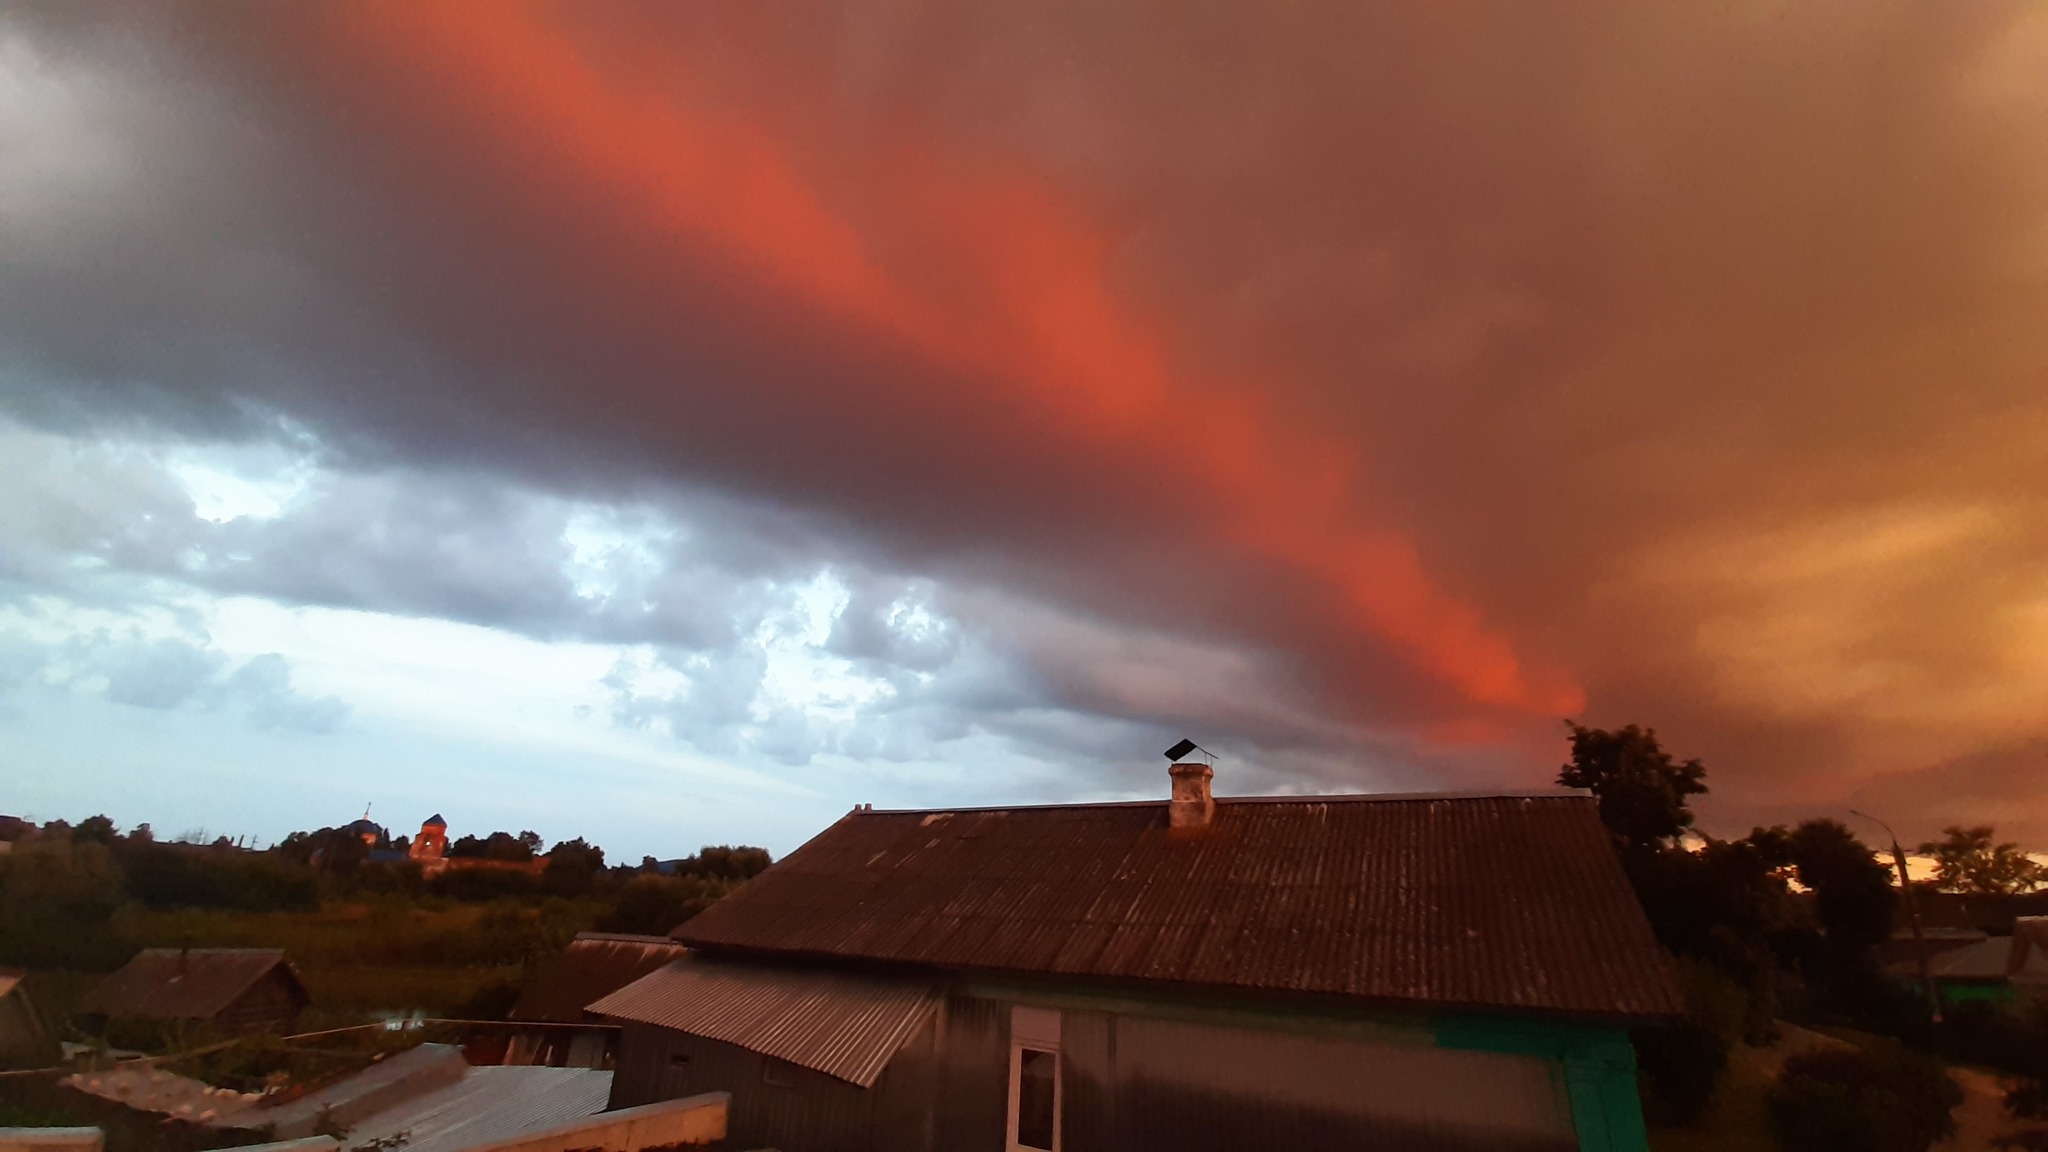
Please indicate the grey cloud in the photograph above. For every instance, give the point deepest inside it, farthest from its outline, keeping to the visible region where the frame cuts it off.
(264, 683)
(158, 674)
(1584, 285)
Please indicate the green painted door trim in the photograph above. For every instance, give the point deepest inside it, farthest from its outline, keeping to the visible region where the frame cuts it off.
(1599, 1071)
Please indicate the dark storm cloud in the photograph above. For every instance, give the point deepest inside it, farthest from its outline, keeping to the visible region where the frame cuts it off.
(1697, 350)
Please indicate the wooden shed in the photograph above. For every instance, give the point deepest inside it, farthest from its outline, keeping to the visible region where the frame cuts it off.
(1421, 972)
(562, 1031)
(22, 1034)
(231, 990)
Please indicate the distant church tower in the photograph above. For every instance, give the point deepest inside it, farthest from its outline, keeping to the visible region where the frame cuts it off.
(432, 842)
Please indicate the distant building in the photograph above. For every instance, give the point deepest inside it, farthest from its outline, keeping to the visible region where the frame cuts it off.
(429, 850)
(22, 1034)
(1426, 971)
(593, 966)
(367, 830)
(432, 842)
(231, 990)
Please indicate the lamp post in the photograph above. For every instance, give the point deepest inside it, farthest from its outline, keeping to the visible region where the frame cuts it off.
(1912, 915)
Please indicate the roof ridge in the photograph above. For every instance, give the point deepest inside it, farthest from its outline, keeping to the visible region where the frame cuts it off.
(1329, 798)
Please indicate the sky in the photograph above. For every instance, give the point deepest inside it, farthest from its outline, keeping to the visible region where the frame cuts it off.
(677, 425)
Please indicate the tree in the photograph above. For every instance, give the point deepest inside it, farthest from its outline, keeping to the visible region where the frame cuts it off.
(94, 830)
(55, 902)
(1853, 897)
(1966, 860)
(573, 867)
(1642, 791)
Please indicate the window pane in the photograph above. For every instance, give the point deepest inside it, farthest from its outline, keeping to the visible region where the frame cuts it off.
(1035, 1073)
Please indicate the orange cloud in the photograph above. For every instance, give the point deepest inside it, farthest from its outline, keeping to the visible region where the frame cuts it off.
(1029, 308)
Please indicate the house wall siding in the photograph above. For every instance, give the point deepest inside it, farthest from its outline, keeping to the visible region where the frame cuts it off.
(1133, 1082)
(807, 1112)
(269, 1005)
(1188, 1087)
(974, 1075)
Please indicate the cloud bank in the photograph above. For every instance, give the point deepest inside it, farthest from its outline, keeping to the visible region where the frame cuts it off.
(1361, 391)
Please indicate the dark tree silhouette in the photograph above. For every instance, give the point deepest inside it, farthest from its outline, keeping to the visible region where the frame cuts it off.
(1643, 791)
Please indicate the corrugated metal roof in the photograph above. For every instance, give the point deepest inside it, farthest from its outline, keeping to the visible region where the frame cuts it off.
(415, 1071)
(594, 965)
(1989, 960)
(486, 1106)
(1513, 902)
(843, 1024)
(185, 984)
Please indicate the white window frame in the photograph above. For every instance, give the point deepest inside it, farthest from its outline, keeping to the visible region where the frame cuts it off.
(1039, 1030)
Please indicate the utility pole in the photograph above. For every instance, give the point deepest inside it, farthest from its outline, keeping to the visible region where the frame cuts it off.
(1912, 916)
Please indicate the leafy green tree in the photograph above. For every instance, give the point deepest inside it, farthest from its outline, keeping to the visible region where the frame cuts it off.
(573, 867)
(1968, 860)
(55, 901)
(652, 904)
(94, 830)
(1643, 791)
(497, 846)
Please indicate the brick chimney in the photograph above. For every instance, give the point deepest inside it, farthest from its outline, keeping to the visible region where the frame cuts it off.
(1192, 806)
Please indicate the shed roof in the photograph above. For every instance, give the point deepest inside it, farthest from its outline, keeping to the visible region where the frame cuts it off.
(594, 964)
(1494, 902)
(844, 1024)
(186, 984)
(487, 1107)
(1990, 959)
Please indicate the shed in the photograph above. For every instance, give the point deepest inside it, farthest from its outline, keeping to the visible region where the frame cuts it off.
(1437, 971)
(594, 965)
(22, 1035)
(231, 990)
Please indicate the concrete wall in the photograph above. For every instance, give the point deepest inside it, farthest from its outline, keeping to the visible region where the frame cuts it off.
(690, 1121)
(51, 1140)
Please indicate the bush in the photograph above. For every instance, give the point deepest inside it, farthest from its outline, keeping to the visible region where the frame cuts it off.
(1849, 1100)
(56, 900)
(652, 905)
(1681, 1065)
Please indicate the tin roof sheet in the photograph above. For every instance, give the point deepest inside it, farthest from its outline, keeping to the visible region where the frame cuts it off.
(1989, 960)
(184, 984)
(843, 1024)
(486, 1106)
(595, 964)
(1498, 902)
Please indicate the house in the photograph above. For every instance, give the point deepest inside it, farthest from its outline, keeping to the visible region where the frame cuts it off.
(1995, 968)
(430, 849)
(1425, 972)
(22, 1035)
(231, 990)
(593, 966)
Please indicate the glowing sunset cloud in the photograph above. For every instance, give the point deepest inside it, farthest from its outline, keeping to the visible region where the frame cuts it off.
(1030, 309)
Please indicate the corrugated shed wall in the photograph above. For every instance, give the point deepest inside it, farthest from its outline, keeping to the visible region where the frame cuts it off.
(1088, 1062)
(802, 1110)
(1181, 1087)
(1131, 1084)
(974, 1054)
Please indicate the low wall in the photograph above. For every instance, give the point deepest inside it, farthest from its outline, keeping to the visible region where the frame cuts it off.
(51, 1140)
(690, 1120)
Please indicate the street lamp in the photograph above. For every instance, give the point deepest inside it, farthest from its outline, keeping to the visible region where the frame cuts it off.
(1912, 915)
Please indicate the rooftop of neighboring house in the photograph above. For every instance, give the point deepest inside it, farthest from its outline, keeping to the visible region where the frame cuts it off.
(186, 984)
(1484, 902)
(594, 965)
